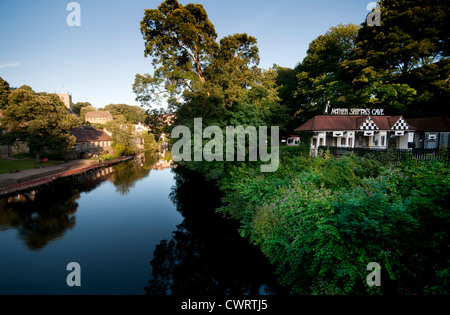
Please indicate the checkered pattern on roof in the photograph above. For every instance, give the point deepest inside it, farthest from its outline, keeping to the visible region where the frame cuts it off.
(401, 125)
(368, 124)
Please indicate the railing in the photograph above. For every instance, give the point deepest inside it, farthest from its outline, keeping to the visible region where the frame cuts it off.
(395, 155)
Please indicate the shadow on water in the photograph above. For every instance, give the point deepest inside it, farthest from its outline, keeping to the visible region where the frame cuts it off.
(46, 214)
(207, 256)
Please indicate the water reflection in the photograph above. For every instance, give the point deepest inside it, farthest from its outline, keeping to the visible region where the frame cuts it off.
(206, 254)
(126, 175)
(44, 215)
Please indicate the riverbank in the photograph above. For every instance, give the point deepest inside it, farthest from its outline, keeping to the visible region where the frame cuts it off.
(31, 178)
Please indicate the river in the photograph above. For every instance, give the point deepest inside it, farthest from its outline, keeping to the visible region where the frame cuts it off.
(137, 228)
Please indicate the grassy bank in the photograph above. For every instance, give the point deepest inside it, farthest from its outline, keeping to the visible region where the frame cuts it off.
(322, 221)
(7, 166)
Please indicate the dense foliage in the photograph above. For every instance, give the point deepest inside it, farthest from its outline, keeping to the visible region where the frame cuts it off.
(322, 221)
(39, 119)
(401, 66)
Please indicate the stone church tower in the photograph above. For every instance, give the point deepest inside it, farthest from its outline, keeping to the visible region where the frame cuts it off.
(67, 100)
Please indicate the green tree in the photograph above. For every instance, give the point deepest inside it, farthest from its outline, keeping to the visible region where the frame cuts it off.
(413, 33)
(157, 121)
(123, 135)
(320, 75)
(85, 110)
(190, 62)
(4, 92)
(133, 114)
(403, 65)
(39, 119)
(181, 40)
(202, 76)
(76, 108)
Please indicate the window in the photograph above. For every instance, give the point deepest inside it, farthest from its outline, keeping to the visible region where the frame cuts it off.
(343, 141)
(350, 142)
(376, 140)
(383, 141)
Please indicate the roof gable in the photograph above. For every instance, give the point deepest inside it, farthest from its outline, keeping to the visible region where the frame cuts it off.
(368, 124)
(400, 124)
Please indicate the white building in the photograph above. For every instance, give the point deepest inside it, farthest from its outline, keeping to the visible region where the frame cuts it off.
(372, 132)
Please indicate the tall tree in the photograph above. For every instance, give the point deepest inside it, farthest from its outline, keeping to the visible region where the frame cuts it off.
(320, 75)
(413, 33)
(402, 65)
(189, 61)
(181, 40)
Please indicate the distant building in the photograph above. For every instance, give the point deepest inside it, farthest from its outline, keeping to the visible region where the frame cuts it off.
(67, 100)
(99, 117)
(431, 133)
(90, 141)
(141, 127)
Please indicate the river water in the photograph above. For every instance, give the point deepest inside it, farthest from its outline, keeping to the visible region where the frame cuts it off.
(136, 228)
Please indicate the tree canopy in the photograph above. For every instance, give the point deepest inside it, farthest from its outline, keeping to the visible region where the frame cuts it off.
(40, 119)
(132, 114)
(190, 61)
(401, 66)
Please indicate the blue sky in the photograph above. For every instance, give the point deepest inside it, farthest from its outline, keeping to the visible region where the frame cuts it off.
(97, 61)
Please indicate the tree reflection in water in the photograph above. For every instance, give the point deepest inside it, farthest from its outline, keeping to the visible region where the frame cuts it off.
(207, 255)
(126, 175)
(44, 215)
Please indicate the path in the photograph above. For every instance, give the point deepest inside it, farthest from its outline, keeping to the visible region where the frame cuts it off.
(8, 179)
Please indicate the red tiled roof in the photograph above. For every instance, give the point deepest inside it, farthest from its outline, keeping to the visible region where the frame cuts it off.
(89, 134)
(432, 124)
(332, 123)
(99, 114)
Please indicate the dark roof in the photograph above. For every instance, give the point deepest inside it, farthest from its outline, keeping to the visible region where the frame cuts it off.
(99, 114)
(432, 124)
(332, 123)
(89, 134)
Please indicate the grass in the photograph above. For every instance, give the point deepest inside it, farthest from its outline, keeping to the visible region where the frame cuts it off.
(7, 166)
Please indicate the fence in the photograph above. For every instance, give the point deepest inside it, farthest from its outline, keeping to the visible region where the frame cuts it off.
(394, 155)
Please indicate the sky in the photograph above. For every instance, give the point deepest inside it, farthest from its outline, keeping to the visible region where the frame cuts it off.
(97, 61)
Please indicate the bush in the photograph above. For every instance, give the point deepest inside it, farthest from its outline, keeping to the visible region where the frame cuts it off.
(22, 156)
(322, 221)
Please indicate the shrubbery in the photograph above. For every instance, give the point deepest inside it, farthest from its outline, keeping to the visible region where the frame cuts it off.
(322, 221)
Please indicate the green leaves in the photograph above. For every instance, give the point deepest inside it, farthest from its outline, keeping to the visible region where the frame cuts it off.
(39, 119)
(321, 221)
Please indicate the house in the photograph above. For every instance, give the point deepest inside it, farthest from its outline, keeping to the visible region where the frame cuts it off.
(347, 131)
(90, 141)
(98, 117)
(430, 133)
(141, 127)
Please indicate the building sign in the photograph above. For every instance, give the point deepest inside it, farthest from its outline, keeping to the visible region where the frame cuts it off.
(357, 112)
